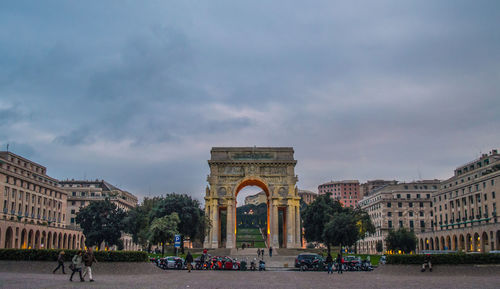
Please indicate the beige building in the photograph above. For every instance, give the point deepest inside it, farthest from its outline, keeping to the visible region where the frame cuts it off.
(33, 207)
(307, 196)
(257, 199)
(82, 192)
(393, 206)
(465, 209)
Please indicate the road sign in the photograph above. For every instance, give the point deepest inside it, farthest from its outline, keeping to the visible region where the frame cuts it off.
(177, 242)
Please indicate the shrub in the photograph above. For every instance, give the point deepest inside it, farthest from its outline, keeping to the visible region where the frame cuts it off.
(51, 255)
(453, 259)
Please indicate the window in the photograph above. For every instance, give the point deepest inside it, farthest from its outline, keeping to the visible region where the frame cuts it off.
(428, 196)
(400, 205)
(411, 224)
(388, 205)
(400, 214)
(418, 196)
(389, 224)
(72, 220)
(400, 224)
(492, 182)
(410, 204)
(408, 196)
(398, 196)
(389, 214)
(422, 224)
(421, 213)
(492, 195)
(72, 211)
(411, 214)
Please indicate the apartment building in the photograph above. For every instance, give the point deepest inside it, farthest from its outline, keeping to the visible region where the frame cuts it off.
(307, 196)
(369, 186)
(33, 207)
(346, 192)
(394, 206)
(465, 209)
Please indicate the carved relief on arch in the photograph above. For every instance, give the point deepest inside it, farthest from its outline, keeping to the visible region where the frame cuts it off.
(222, 192)
(283, 191)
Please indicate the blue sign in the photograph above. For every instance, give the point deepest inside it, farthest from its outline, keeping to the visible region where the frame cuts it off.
(177, 242)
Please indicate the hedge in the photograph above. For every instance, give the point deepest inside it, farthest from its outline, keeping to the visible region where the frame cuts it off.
(51, 255)
(453, 259)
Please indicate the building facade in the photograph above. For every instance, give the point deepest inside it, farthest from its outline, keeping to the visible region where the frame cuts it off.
(33, 207)
(394, 206)
(82, 192)
(346, 192)
(369, 186)
(307, 196)
(465, 209)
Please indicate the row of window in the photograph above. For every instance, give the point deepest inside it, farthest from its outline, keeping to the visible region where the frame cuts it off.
(11, 193)
(30, 186)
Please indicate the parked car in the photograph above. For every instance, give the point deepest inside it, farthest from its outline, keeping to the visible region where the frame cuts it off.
(171, 262)
(310, 261)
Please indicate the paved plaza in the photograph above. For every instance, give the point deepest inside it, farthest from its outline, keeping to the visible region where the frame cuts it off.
(129, 275)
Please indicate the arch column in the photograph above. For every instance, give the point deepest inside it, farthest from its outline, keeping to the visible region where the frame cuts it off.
(274, 225)
(231, 226)
(298, 228)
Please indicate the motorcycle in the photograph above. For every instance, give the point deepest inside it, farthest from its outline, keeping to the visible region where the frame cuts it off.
(262, 265)
(253, 265)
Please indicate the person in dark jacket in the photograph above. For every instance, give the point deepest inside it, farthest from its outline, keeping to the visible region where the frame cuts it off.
(189, 260)
(88, 260)
(60, 261)
(329, 263)
(270, 251)
(340, 262)
(427, 262)
(77, 264)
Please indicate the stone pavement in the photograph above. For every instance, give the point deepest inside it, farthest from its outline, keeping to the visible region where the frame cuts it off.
(276, 262)
(35, 275)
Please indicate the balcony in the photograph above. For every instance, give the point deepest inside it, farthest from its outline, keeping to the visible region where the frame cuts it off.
(13, 212)
(32, 216)
(26, 214)
(38, 217)
(5, 210)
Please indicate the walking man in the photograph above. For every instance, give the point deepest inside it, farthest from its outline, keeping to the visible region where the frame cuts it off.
(270, 251)
(88, 260)
(340, 262)
(189, 260)
(60, 261)
(329, 263)
(427, 262)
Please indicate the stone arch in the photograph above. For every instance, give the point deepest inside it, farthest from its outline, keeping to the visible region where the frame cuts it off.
(31, 239)
(24, 237)
(497, 242)
(37, 240)
(421, 243)
(455, 242)
(271, 169)
(426, 242)
(43, 240)
(436, 243)
(82, 243)
(65, 241)
(9, 238)
(476, 243)
(468, 243)
(73, 244)
(54, 240)
(442, 244)
(448, 242)
(432, 243)
(485, 246)
(60, 241)
(461, 243)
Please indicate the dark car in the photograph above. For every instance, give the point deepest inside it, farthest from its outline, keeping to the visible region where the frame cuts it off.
(307, 258)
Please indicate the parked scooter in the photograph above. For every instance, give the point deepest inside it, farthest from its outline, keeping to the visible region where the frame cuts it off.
(253, 264)
(262, 265)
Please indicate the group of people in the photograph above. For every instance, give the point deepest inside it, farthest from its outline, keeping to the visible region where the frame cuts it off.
(260, 253)
(82, 263)
(329, 262)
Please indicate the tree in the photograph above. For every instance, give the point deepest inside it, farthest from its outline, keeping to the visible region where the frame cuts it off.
(101, 221)
(190, 214)
(402, 239)
(138, 220)
(363, 222)
(342, 230)
(317, 214)
(163, 230)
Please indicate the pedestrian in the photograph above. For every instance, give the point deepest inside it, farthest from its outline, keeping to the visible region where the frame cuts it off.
(329, 263)
(270, 251)
(427, 262)
(340, 263)
(189, 260)
(76, 266)
(88, 260)
(262, 254)
(258, 252)
(60, 262)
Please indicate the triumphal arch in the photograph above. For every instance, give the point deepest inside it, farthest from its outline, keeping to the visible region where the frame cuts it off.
(270, 168)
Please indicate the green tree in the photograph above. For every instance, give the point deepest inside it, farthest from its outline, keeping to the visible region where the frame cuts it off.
(163, 230)
(363, 222)
(101, 221)
(317, 214)
(191, 216)
(342, 230)
(402, 239)
(138, 220)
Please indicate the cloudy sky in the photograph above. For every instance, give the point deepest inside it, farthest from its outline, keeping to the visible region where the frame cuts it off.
(137, 92)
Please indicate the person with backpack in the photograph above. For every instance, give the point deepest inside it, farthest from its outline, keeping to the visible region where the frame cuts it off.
(340, 263)
(189, 260)
(329, 263)
(60, 262)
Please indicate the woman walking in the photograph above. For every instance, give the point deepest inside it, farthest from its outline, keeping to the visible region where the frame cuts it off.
(60, 261)
(76, 266)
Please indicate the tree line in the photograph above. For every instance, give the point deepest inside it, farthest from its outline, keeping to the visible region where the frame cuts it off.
(155, 221)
